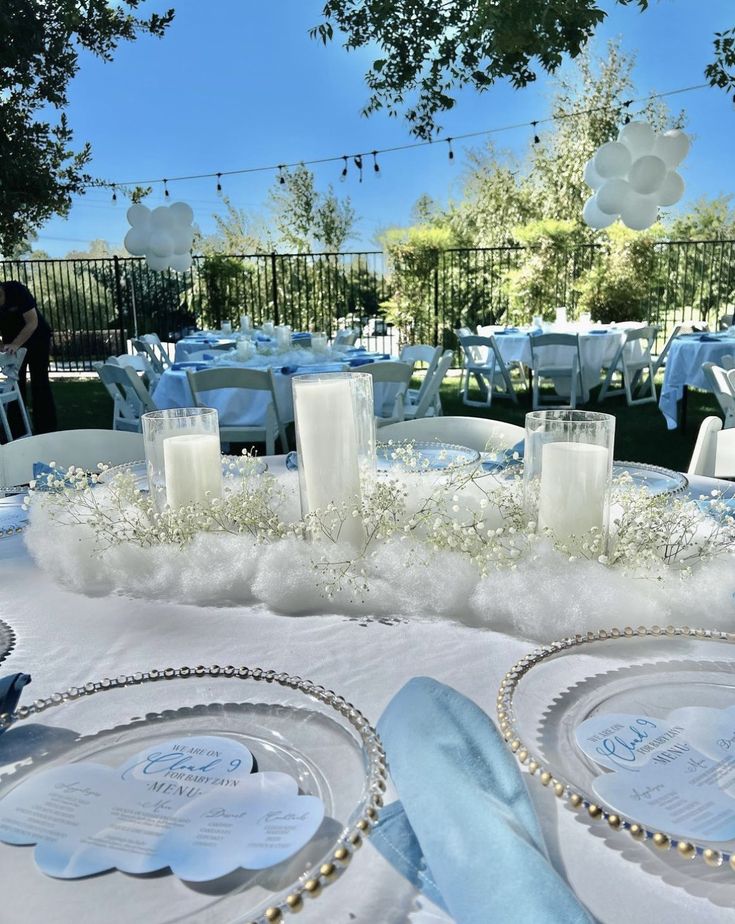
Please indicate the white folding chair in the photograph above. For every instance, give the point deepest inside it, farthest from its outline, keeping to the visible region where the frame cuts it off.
(631, 367)
(150, 345)
(483, 361)
(131, 399)
(396, 375)
(420, 353)
(429, 397)
(477, 433)
(722, 386)
(714, 451)
(556, 358)
(10, 391)
(82, 448)
(207, 380)
(725, 321)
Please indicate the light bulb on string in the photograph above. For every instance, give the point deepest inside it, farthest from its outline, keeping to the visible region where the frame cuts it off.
(114, 193)
(343, 175)
(219, 182)
(165, 189)
(626, 105)
(281, 177)
(358, 163)
(376, 165)
(536, 139)
(451, 151)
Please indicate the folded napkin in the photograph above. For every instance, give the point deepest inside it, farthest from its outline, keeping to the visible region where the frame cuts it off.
(361, 360)
(598, 333)
(360, 349)
(464, 832)
(10, 689)
(301, 335)
(314, 367)
(191, 364)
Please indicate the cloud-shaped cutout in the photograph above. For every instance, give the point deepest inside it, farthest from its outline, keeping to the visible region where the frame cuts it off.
(190, 804)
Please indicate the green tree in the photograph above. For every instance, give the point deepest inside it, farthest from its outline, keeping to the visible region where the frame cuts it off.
(708, 220)
(238, 232)
(39, 55)
(428, 49)
(307, 219)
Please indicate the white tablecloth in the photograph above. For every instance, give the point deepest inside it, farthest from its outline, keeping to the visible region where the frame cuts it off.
(683, 367)
(65, 639)
(239, 407)
(189, 345)
(595, 350)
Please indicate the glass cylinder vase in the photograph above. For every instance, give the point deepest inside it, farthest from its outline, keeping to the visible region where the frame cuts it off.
(335, 438)
(182, 454)
(567, 475)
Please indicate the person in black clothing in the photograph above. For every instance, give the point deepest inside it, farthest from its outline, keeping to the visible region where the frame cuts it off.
(23, 325)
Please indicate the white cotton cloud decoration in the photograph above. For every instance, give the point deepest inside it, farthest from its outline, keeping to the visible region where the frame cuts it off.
(163, 236)
(634, 176)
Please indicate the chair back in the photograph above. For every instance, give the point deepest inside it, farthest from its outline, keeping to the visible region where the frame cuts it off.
(477, 433)
(131, 397)
(154, 342)
(569, 343)
(637, 334)
(714, 451)
(138, 362)
(722, 386)
(421, 353)
(478, 350)
(10, 364)
(725, 321)
(206, 380)
(150, 346)
(84, 448)
(428, 392)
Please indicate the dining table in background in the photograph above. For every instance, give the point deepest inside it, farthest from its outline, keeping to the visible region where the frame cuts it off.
(598, 346)
(684, 367)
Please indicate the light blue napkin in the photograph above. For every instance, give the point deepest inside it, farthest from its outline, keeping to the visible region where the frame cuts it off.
(190, 364)
(465, 831)
(10, 689)
(360, 361)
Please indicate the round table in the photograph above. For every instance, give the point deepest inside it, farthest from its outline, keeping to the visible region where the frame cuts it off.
(686, 357)
(66, 639)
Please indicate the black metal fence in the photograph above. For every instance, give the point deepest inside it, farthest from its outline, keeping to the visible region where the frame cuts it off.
(96, 305)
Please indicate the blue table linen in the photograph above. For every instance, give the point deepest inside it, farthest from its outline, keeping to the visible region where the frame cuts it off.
(465, 831)
(192, 364)
(10, 689)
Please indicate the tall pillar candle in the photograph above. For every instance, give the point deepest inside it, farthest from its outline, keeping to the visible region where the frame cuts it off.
(328, 444)
(573, 488)
(193, 469)
(245, 323)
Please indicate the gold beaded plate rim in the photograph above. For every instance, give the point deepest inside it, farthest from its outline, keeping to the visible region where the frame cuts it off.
(712, 855)
(312, 882)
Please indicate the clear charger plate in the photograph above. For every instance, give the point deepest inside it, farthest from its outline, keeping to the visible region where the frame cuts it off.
(645, 671)
(140, 474)
(290, 725)
(653, 478)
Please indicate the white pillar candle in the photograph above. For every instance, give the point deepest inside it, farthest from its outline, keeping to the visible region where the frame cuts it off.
(573, 490)
(283, 338)
(226, 327)
(244, 349)
(319, 343)
(561, 315)
(245, 323)
(268, 328)
(192, 467)
(328, 449)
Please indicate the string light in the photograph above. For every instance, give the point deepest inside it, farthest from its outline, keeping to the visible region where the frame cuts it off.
(165, 189)
(114, 193)
(376, 165)
(219, 182)
(357, 158)
(626, 105)
(281, 177)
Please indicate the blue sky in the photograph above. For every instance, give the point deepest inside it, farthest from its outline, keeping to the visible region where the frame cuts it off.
(238, 83)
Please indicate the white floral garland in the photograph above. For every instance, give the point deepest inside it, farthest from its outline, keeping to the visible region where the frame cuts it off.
(436, 543)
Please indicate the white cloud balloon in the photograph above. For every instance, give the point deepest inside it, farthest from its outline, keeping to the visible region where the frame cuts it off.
(163, 236)
(633, 176)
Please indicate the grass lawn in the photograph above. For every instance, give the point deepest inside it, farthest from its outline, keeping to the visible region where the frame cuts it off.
(641, 431)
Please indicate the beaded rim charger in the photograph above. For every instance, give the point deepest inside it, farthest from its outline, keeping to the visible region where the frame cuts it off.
(7, 639)
(562, 789)
(312, 882)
